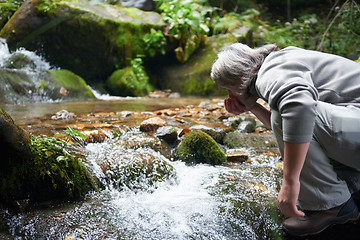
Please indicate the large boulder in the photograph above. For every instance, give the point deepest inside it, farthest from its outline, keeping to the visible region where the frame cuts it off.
(35, 169)
(92, 40)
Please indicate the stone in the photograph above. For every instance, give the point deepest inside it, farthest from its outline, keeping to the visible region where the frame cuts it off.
(199, 147)
(95, 136)
(63, 114)
(168, 134)
(146, 5)
(124, 82)
(237, 157)
(152, 124)
(246, 127)
(235, 140)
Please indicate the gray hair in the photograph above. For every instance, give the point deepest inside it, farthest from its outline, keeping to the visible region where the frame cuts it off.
(238, 66)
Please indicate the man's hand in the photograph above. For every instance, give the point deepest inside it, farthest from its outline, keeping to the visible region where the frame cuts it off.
(238, 104)
(287, 199)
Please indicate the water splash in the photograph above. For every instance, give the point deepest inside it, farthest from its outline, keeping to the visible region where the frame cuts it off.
(39, 63)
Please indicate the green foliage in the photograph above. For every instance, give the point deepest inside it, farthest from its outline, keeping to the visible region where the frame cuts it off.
(140, 73)
(45, 6)
(130, 81)
(186, 23)
(339, 34)
(71, 133)
(155, 41)
(7, 8)
(199, 147)
(300, 32)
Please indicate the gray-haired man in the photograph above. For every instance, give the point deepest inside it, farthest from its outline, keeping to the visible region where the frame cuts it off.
(314, 99)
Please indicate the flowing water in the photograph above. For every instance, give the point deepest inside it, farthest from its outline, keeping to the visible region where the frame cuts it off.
(201, 202)
(235, 201)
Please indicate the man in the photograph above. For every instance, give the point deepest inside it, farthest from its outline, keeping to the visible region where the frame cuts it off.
(314, 99)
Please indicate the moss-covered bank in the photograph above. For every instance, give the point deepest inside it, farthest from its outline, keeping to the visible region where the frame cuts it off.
(35, 169)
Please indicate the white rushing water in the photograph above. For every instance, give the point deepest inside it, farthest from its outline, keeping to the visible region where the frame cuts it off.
(40, 63)
(201, 202)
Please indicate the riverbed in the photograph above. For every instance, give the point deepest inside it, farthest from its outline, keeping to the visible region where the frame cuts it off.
(233, 201)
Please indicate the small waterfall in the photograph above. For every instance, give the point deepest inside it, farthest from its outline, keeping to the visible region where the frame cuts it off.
(35, 62)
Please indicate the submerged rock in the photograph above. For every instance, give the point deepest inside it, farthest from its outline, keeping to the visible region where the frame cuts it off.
(137, 169)
(36, 169)
(199, 147)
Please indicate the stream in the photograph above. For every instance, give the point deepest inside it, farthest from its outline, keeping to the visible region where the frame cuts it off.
(234, 201)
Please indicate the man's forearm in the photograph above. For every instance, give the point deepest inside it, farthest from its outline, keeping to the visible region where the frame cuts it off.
(294, 158)
(262, 114)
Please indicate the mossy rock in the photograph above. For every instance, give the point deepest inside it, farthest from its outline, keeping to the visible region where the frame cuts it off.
(199, 147)
(249, 140)
(15, 87)
(20, 87)
(138, 170)
(193, 77)
(73, 85)
(124, 82)
(36, 169)
(92, 40)
(18, 61)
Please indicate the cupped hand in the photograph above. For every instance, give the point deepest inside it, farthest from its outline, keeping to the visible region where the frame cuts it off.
(287, 199)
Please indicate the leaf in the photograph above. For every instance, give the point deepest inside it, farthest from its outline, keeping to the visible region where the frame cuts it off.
(48, 153)
(60, 158)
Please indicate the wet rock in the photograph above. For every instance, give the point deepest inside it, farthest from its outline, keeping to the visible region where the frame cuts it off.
(146, 5)
(95, 136)
(199, 147)
(18, 61)
(246, 127)
(125, 114)
(158, 94)
(137, 169)
(168, 134)
(152, 124)
(238, 140)
(237, 157)
(193, 77)
(217, 134)
(63, 114)
(136, 140)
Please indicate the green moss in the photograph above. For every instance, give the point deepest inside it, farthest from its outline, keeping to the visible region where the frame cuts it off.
(199, 147)
(56, 174)
(74, 84)
(124, 82)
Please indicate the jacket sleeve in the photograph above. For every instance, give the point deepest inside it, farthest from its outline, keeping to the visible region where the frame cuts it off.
(289, 89)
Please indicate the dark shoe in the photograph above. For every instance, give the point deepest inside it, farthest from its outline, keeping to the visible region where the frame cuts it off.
(315, 222)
